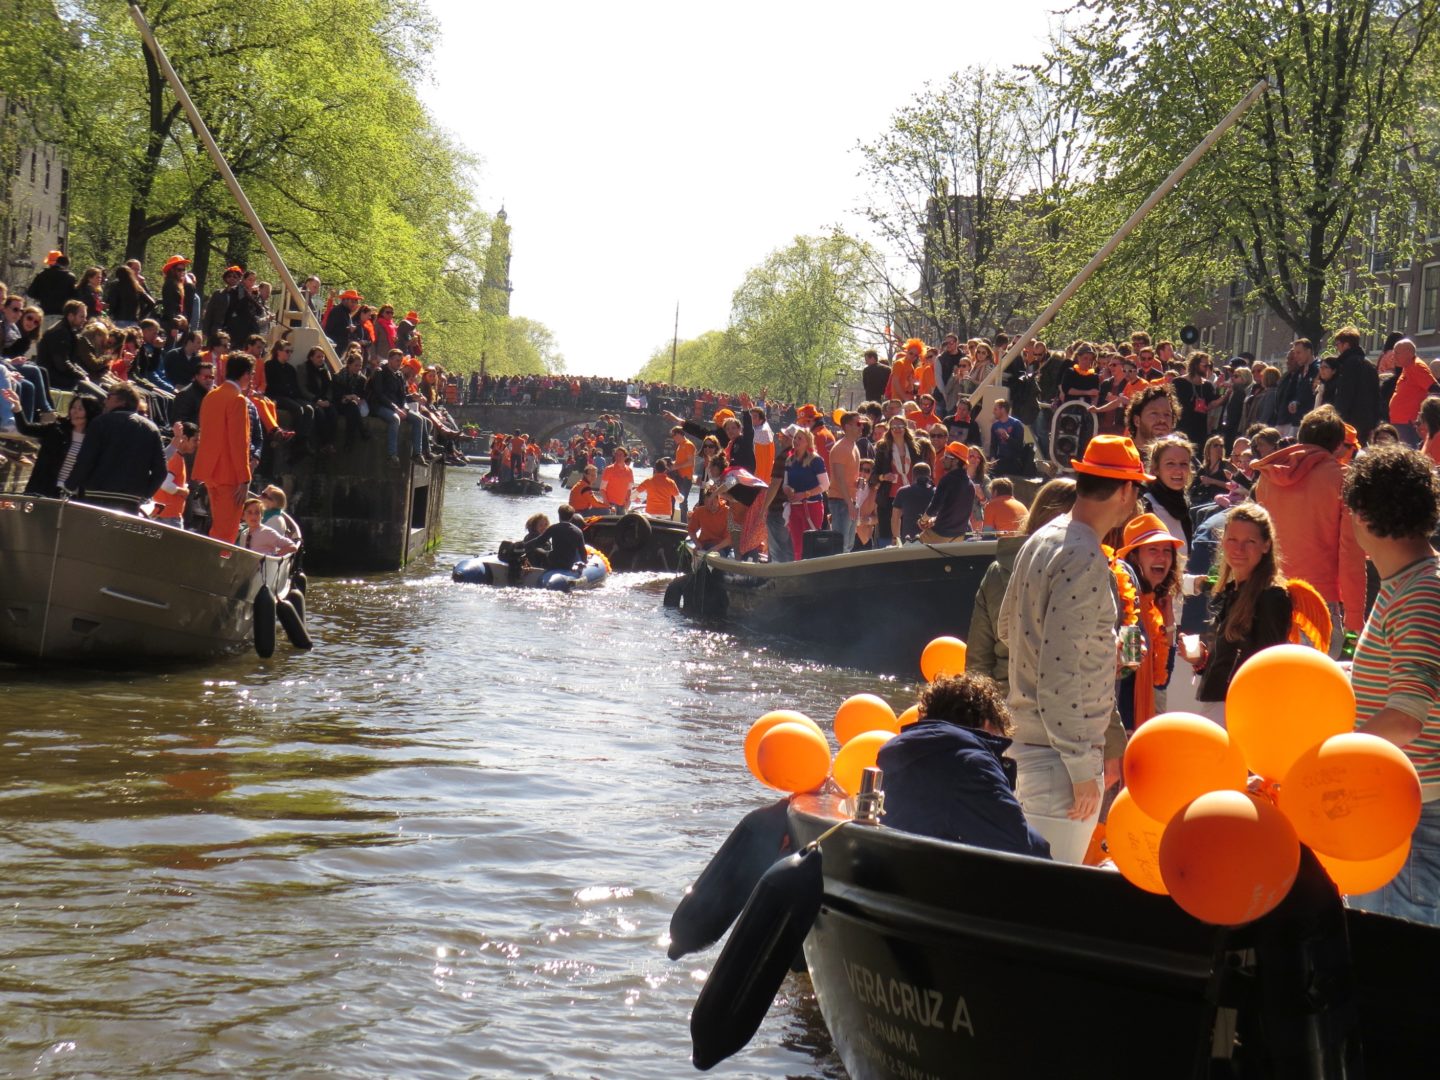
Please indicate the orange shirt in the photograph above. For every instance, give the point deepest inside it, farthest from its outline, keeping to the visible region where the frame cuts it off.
(710, 526)
(617, 481)
(926, 419)
(926, 377)
(660, 495)
(685, 458)
(171, 504)
(902, 380)
(583, 497)
(1003, 514)
(824, 440)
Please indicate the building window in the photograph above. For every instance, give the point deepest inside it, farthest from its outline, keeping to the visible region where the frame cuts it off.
(47, 174)
(64, 190)
(32, 166)
(1400, 308)
(1429, 298)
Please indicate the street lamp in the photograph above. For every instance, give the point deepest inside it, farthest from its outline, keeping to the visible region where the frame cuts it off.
(834, 395)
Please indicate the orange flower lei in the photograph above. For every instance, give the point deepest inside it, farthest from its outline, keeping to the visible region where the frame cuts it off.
(1154, 623)
(1125, 586)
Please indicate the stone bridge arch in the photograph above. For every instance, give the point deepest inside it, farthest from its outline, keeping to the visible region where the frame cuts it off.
(543, 422)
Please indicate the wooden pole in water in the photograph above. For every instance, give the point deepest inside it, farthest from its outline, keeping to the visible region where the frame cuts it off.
(223, 167)
(1166, 186)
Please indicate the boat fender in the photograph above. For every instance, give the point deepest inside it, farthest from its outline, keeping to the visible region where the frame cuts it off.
(675, 590)
(632, 532)
(296, 597)
(293, 624)
(299, 582)
(264, 630)
(719, 893)
(472, 571)
(756, 958)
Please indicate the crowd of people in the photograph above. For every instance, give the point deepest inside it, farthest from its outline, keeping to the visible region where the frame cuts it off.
(173, 367)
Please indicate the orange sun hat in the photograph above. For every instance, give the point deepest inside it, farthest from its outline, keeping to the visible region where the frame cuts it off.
(1113, 457)
(174, 261)
(1146, 529)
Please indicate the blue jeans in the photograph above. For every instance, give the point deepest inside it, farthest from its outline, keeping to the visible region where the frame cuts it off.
(778, 535)
(842, 520)
(1415, 892)
(391, 416)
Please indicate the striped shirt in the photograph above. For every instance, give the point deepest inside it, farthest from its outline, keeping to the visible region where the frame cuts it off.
(1397, 662)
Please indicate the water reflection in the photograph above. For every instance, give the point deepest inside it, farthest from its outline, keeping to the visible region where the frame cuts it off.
(447, 842)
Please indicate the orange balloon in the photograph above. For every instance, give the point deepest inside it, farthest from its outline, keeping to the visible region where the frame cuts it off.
(793, 757)
(1365, 875)
(909, 716)
(943, 656)
(760, 727)
(1133, 840)
(1176, 757)
(863, 712)
(1228, 857)
(1353, 797)
(1284, 700)
(856, 756)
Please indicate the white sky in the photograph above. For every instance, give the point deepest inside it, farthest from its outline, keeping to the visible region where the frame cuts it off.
(653, 152)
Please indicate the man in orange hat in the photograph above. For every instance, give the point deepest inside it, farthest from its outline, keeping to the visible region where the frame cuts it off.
(217, 308)
(1059, 616)
(340, 326)
(405, 332)
(948, 516)
(53, 286)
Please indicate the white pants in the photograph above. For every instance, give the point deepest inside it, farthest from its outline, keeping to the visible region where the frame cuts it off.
(1046, 794)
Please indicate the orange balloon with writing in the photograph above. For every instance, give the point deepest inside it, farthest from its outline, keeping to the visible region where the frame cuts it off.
(1176, 757)
(1133, 839)
(1228, 857)
(793, 757)
(765, 723)
(861, 713)
(1355, 797)
(1284, 700)
(856, 756)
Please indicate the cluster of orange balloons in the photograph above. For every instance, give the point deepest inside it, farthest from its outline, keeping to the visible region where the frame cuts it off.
(1187, 823)
(786, 750)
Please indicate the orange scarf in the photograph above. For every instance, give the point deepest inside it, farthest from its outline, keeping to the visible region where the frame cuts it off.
(1151, 672)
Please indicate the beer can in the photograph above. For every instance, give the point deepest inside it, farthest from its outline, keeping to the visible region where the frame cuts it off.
(1132, 647)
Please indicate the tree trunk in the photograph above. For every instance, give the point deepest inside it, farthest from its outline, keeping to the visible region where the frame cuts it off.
(201, 264)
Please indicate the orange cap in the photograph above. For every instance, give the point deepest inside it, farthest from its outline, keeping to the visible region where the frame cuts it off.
(174, 261)
(807, 414)
(1113, 457)
(233, 270)
(413, 317)
(958, 450)
(53, 257)
(1146, 529)
(720, 417)
(351, 294)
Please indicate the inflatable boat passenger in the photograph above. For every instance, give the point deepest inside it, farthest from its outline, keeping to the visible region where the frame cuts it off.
(563, 545)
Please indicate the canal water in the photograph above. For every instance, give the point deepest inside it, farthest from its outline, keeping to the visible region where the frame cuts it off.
(446, 843)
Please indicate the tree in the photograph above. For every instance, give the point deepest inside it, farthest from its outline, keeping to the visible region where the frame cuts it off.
(794, 317)
(1286, 194)
(715, 361)
(951, 200)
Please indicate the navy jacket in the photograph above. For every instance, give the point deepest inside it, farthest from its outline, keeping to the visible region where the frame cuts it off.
(947, 781)
(122, 455)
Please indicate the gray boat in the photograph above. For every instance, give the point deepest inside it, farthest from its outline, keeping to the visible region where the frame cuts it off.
(96, 586)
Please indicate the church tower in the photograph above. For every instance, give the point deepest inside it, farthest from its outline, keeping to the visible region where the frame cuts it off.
(496, 286)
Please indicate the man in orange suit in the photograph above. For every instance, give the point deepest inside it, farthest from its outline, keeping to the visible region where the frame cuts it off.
(222, 461)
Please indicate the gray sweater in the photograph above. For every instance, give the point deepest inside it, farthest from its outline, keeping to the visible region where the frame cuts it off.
(1058, 617)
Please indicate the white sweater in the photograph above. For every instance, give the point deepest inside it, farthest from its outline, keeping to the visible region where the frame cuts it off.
(1058, 618)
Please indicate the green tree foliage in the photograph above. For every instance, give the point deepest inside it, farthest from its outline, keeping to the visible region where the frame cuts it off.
(1285, 197)
(313, 103)
(953, 199)
(714, 360)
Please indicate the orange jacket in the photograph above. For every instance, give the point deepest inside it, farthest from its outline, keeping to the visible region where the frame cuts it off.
(1410, 390)
(171, 504)
(223, 456)
(902, 380)
(660, 495)
(1300, 486)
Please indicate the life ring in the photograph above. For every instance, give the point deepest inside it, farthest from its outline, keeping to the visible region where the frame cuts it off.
(293, 623)
(632, 532)
(263, 609)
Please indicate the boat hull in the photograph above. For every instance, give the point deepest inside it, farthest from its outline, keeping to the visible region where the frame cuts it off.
(932, 959)
(875, 610)
(100, 587)
(655, 548)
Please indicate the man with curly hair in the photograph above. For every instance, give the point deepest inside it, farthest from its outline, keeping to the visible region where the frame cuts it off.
(1394, 496)
(945, 775)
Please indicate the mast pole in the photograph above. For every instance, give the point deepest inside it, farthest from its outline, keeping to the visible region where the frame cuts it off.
(675, 343)
(1166, 185)
(223, 168)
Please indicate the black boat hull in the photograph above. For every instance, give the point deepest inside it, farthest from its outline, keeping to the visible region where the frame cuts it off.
(875, 610)
(655, 548)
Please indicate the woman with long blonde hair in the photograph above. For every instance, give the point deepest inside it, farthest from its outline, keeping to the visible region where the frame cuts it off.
(1251, 607)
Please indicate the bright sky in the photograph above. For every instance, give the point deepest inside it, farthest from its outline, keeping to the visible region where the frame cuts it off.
(649, 153)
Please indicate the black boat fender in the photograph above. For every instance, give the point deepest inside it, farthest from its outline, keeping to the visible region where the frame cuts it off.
(675, 590)
(632, 532)
(293, 623)
(296, 598)
(719, 893)
(264, 631)
(748, 973)
(298, 583)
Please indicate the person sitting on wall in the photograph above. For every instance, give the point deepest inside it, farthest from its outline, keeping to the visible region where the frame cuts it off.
(945, 775)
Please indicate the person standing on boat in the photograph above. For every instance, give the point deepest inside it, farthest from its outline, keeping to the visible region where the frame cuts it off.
(617, 482)
(222, 460)
(844, 468)
(1058, 617)
(1393, 495)
(123, 460)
